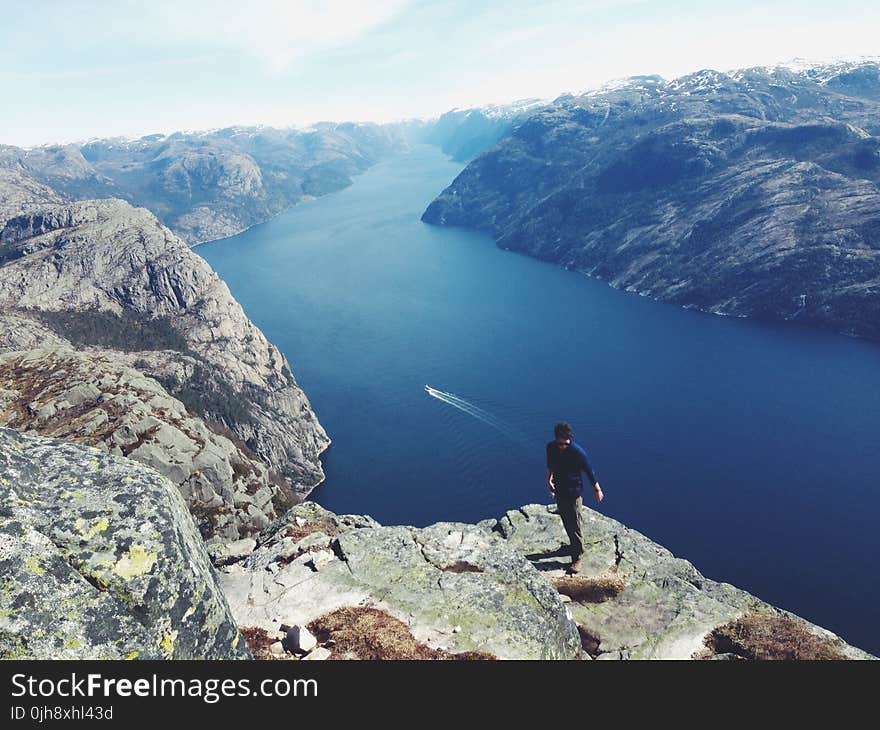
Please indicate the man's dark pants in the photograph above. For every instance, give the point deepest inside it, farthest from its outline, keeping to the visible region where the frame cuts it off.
(572, 520)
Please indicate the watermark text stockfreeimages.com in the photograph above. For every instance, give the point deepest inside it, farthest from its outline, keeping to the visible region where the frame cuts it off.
(209, 690)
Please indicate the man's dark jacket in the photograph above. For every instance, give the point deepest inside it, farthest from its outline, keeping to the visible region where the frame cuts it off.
(567, 466)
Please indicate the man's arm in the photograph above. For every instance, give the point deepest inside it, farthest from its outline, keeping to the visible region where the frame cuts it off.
(597, 490)
(551, 487)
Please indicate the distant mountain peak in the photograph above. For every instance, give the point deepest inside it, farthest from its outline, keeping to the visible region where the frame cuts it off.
(819, 70)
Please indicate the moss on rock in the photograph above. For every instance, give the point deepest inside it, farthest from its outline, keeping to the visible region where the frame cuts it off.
(106, 570)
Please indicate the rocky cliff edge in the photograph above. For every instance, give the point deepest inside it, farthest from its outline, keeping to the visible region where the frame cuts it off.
(118, 295)
(101, 559)
(499, 588)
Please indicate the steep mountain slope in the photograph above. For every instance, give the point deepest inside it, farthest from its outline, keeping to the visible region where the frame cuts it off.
(93, 398)
(753, 193)
(108, 279)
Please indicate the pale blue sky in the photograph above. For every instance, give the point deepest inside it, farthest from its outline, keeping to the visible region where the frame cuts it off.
(75, 69)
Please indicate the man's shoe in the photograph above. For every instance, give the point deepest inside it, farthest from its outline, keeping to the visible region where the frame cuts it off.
(576, 566)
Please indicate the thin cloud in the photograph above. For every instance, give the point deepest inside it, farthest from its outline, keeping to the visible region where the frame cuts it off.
(278, 33)
(129, 66)
(275, 32)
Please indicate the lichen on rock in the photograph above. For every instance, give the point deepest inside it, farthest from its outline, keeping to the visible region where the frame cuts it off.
(100, 559)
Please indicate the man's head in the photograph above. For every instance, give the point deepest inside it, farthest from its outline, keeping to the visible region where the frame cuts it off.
(562, 432)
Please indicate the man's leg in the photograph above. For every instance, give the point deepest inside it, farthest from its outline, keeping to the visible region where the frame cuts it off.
(577, 541)
(572, 520)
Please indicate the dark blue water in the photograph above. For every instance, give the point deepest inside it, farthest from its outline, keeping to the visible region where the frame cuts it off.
(749, 449)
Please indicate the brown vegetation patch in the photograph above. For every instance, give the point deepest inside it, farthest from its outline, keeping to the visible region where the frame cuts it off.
(321, 524)
(43, 382)
(207, 519)
(30, 382)
(284, 497)
(589, 589)
(462, 566)
(759, 635)
(258, 641)
(368, 633)
(242, 472)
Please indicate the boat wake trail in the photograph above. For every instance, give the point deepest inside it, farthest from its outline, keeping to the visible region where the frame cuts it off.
(480, 414)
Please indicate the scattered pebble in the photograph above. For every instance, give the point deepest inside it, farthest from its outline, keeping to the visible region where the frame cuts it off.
(300, 639)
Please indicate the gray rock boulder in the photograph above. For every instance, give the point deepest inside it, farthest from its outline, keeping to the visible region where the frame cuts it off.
(99, 559)
(665, 608)
(458, 587)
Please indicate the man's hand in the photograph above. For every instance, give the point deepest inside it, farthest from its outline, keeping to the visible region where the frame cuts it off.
(551, 487)
(598, 492)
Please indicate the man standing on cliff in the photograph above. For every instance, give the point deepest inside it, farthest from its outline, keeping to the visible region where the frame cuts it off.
(565, 462)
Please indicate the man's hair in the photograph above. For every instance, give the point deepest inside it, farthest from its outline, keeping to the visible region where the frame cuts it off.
(562, 430)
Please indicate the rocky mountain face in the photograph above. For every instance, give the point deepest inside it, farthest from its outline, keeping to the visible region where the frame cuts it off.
(100, 560)
(463, 134)
(752, 193)
(115, 335)
(20, 193)
(127, 340)
(210, 185)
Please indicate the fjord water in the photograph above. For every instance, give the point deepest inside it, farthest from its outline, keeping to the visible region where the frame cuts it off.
(749, 449)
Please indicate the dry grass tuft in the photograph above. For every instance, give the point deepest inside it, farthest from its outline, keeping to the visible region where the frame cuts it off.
(462, 566)
(589, 589)
(258, 641)
(322, 524)
(368, 633)
(768, 636)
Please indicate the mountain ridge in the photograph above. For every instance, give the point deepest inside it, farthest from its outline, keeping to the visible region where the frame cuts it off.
(751, 194)
(212, 184)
